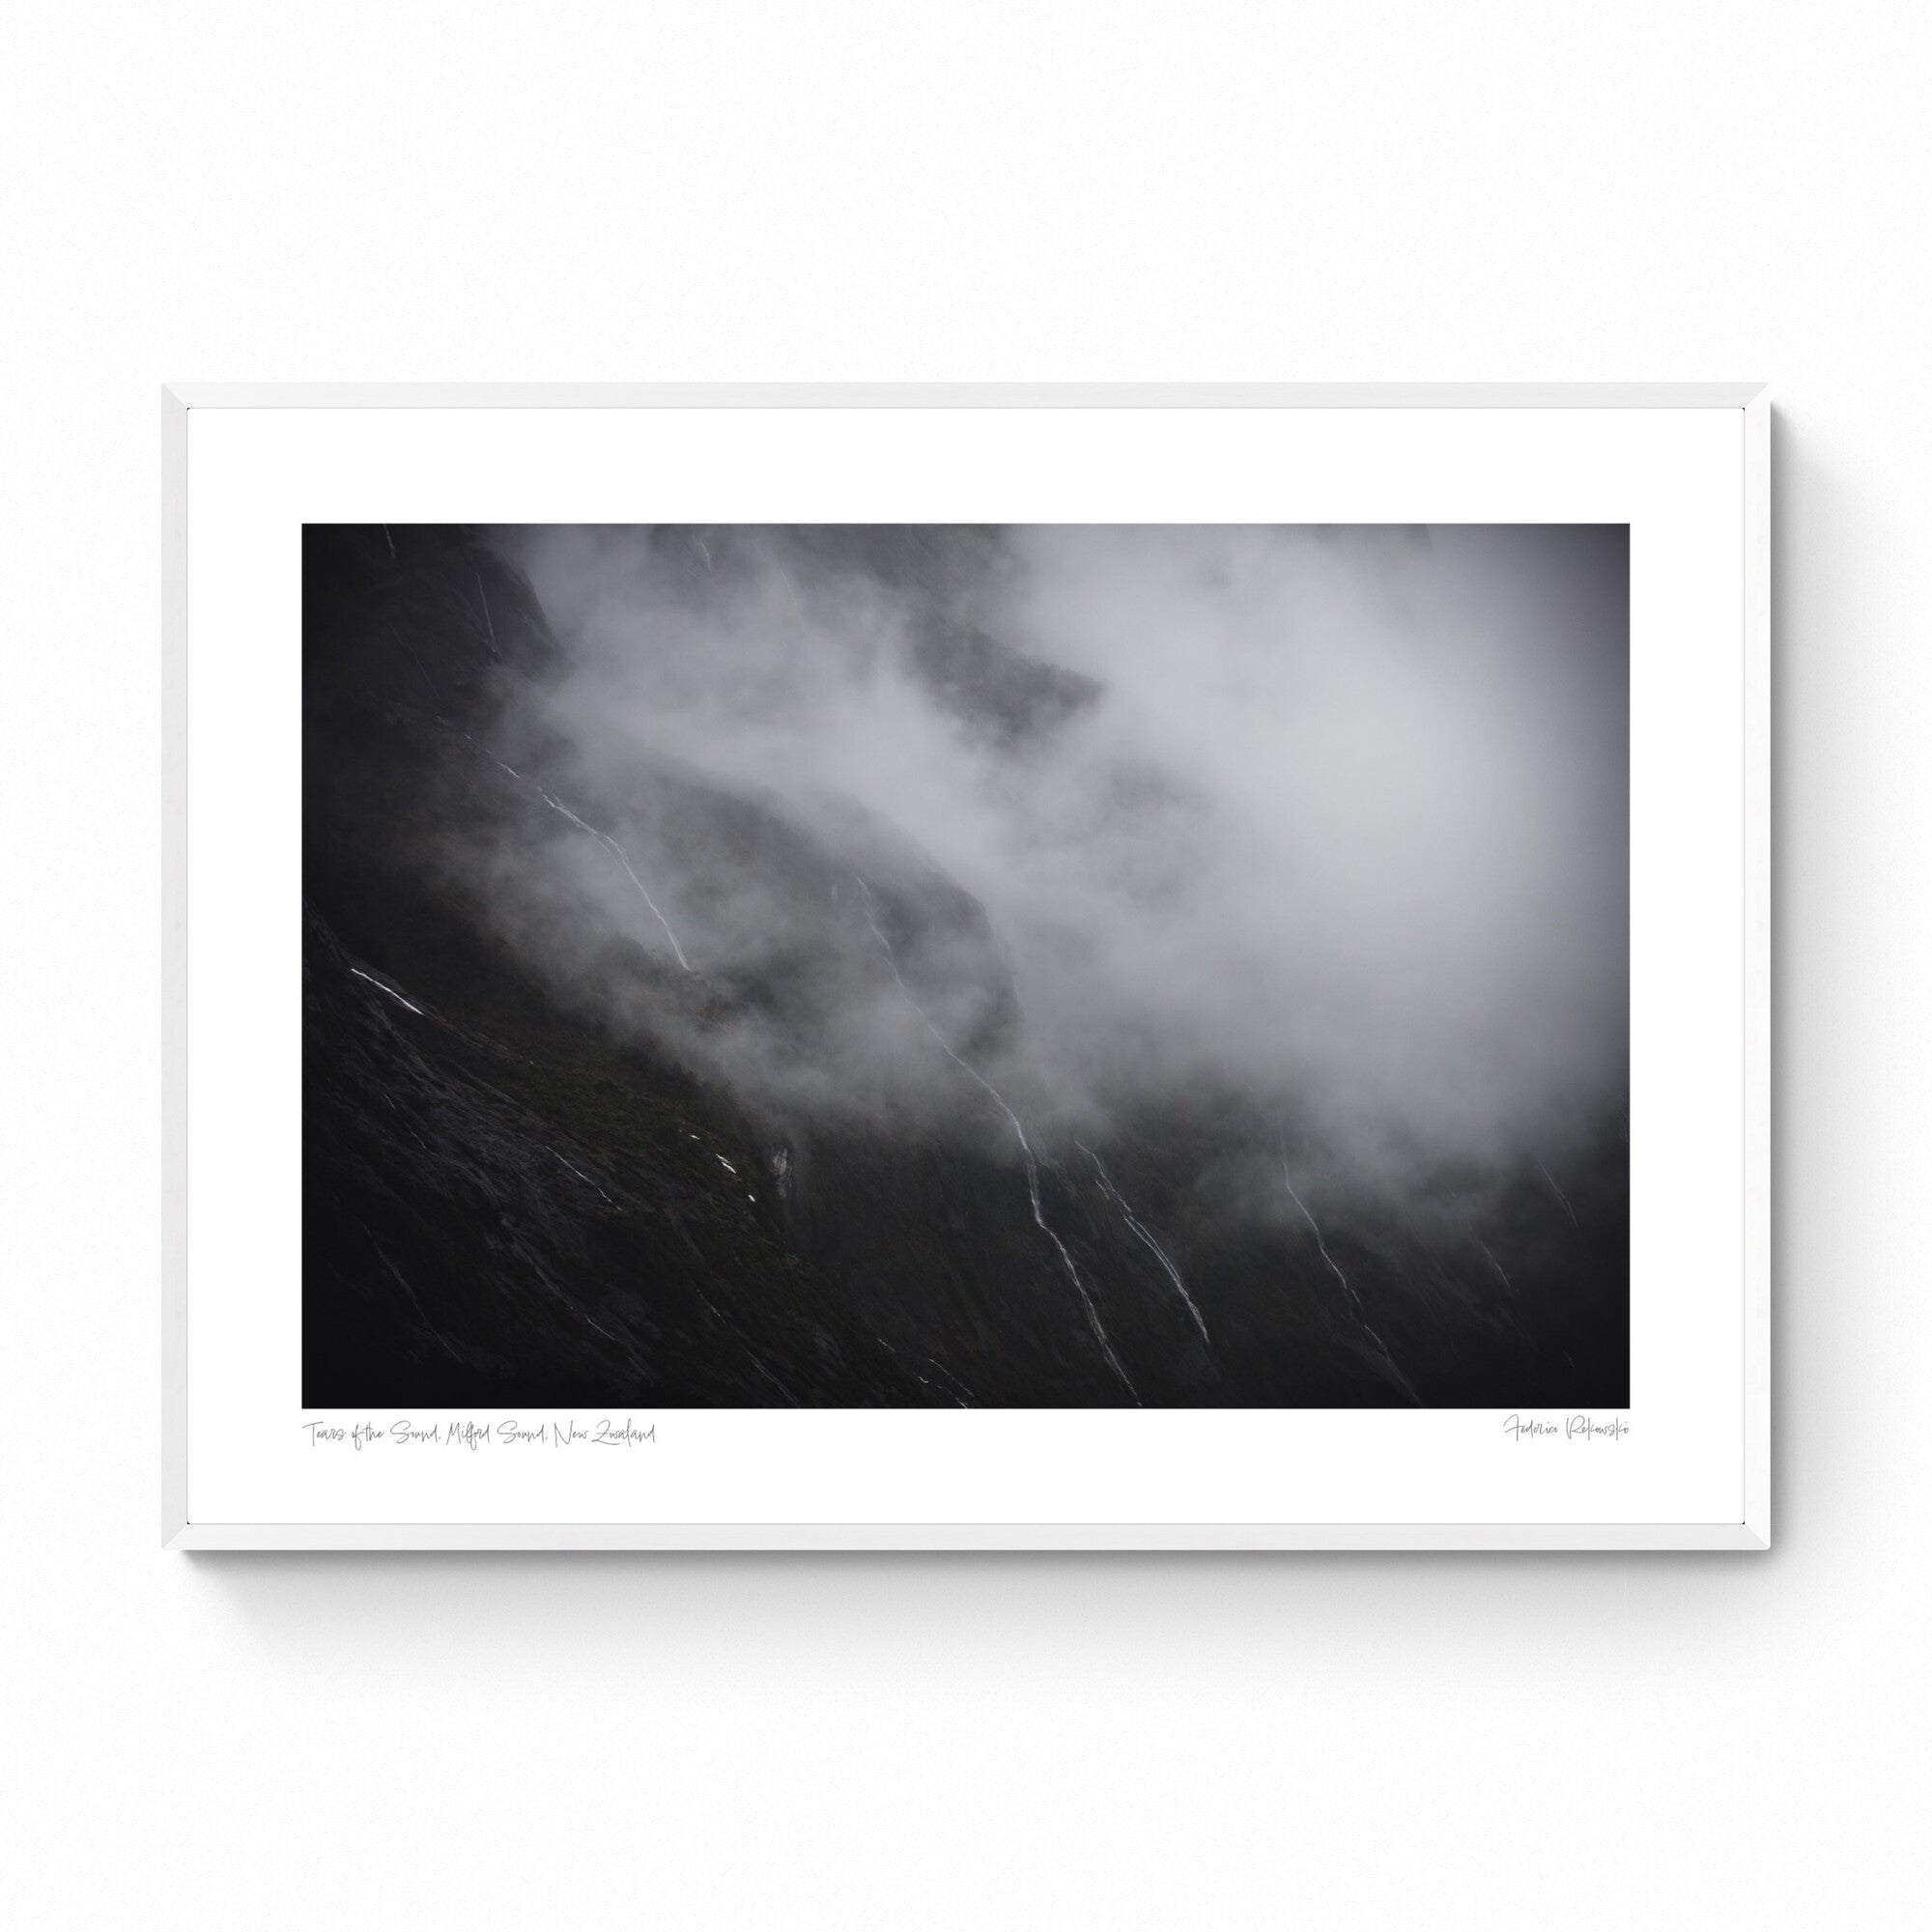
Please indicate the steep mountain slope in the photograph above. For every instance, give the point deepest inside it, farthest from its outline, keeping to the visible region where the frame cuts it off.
(538, 1168)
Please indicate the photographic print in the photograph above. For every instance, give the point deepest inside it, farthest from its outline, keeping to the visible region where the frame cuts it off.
(900, 966)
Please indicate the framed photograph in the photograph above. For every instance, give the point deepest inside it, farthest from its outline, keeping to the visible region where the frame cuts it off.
(930, 968)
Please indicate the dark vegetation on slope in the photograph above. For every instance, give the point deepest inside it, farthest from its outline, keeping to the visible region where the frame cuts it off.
(516, 1193)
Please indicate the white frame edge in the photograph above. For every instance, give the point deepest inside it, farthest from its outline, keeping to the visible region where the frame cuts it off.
(1757, 667)
(965, 395)
(1752, 1533)
(174, 969)
(1085, 1537)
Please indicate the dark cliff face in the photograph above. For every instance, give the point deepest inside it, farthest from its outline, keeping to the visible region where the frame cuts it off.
(532, 1177)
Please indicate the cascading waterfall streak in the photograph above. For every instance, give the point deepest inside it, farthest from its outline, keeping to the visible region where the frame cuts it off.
(1159, 1253)
(1348, 1287)
(1093, 1321)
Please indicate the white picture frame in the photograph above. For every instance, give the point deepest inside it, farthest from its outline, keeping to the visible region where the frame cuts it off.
(243, 460)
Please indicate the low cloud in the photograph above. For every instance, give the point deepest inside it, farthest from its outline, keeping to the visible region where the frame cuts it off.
(1333, 819)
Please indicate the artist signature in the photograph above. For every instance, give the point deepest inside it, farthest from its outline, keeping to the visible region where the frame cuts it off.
(1571, 1428)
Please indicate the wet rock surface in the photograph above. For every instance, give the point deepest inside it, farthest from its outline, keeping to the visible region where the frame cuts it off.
(530, 1186)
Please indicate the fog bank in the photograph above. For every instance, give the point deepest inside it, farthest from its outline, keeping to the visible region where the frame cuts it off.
(1334, 818)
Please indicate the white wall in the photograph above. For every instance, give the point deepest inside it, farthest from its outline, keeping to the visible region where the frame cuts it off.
(1207, 191)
